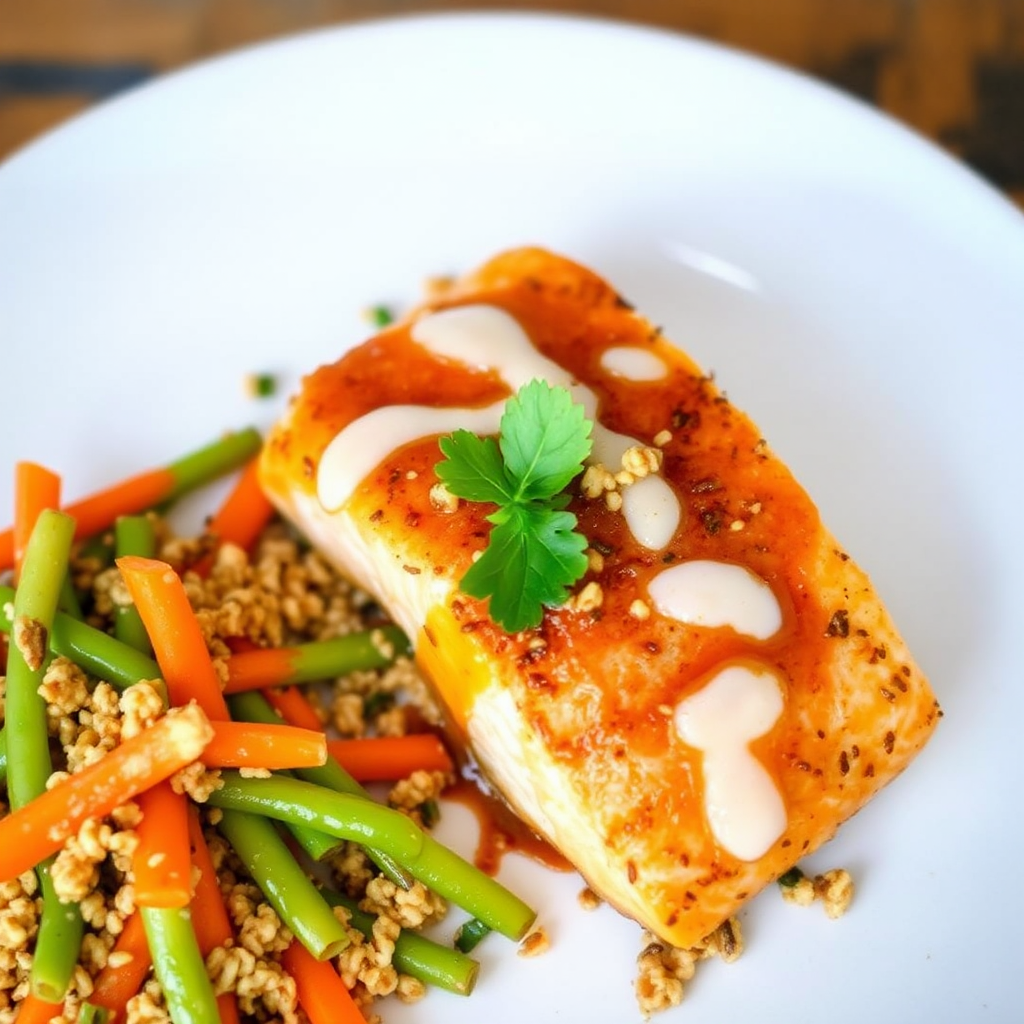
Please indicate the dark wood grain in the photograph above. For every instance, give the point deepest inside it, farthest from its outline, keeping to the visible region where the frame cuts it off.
(952, 69)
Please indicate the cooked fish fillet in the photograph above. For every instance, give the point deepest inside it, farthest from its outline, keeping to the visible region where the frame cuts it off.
(724, 688)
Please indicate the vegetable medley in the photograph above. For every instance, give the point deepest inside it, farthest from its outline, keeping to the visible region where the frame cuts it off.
(182, 840)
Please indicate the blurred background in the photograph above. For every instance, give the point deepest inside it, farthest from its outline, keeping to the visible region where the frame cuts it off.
(952, 69)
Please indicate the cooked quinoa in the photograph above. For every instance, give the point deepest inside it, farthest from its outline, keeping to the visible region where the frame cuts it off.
(284, 594)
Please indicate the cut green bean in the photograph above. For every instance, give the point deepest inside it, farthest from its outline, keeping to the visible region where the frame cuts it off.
(91, 649)
(90, 1013)
(213, 461)
(58, 941)
(352, 817)
(253, 707)
(34, 607)
(415, 954)
(470, 935)
(43, 573)
(297, 901)
(133, 535)
(68, 601)
(328, 659)
(179, 965)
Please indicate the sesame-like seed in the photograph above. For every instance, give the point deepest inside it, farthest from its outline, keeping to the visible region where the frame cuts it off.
(595, 560)
(442, 500)
(589, 598)
(662, 438)
(736, 525)
(639, 610)
(755, 508)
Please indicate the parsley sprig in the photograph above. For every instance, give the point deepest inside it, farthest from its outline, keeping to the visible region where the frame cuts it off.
(534, 553)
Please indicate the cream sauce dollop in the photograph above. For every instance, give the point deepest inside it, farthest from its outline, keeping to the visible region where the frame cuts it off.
(744, 809)
(707, 593)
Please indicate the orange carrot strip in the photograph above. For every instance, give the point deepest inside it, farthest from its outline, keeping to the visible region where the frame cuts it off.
(35, 488)
(291, 704)
(254, 745)
(209, 915)
(161, 859)
(178, 641)
(390, 757)
(98, 511)
(245, 511)
(37, 1011)
(42, 826)
(322, 993)
(260, 667)
(122, 978)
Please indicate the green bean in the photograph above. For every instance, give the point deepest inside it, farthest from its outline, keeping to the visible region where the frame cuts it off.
(415, 954)
(68, 601)
(296, 900)
(212, 461)
(253, 707)
(179, 965)
(352, 817)
(43, 572)
(34, 605)
(91, 649)
(133, 535)
(470, 935)
(327, 659)
(57, 942)
(90, 1013)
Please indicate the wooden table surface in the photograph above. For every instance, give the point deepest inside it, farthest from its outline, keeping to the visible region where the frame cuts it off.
(952, 69)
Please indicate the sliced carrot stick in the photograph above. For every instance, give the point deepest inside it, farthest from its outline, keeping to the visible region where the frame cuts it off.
(245, 511)
(322, 993)
(35, 488)
(42, 826)
(291, 704)
(141, 492)
(125, 970)
(209, 915)
(161, 861)
(390, 757)
(254, 745)
(158, 593)
(97, 512)
(37, 1011)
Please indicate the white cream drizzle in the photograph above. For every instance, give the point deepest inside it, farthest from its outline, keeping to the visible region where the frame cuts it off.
(632, 363)
(706, 593)
(744, 809)
(485, 338)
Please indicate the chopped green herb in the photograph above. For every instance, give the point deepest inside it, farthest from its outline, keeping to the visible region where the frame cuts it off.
(261, 385)
(430, 812)
(790, 878)
(380, 316)
(468, 937)
(534, 553)
(377, 703)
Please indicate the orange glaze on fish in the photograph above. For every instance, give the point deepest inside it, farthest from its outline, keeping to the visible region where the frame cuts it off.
(575, 722)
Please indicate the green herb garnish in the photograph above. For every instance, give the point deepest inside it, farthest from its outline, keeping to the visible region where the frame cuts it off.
(534, 553)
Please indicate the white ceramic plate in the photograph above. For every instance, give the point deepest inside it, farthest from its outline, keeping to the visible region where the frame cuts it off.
(859, 293)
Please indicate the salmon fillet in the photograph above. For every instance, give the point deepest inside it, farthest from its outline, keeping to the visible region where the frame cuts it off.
(723, 689)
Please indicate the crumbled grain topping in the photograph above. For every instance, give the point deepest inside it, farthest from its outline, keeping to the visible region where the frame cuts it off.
(536, 943)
